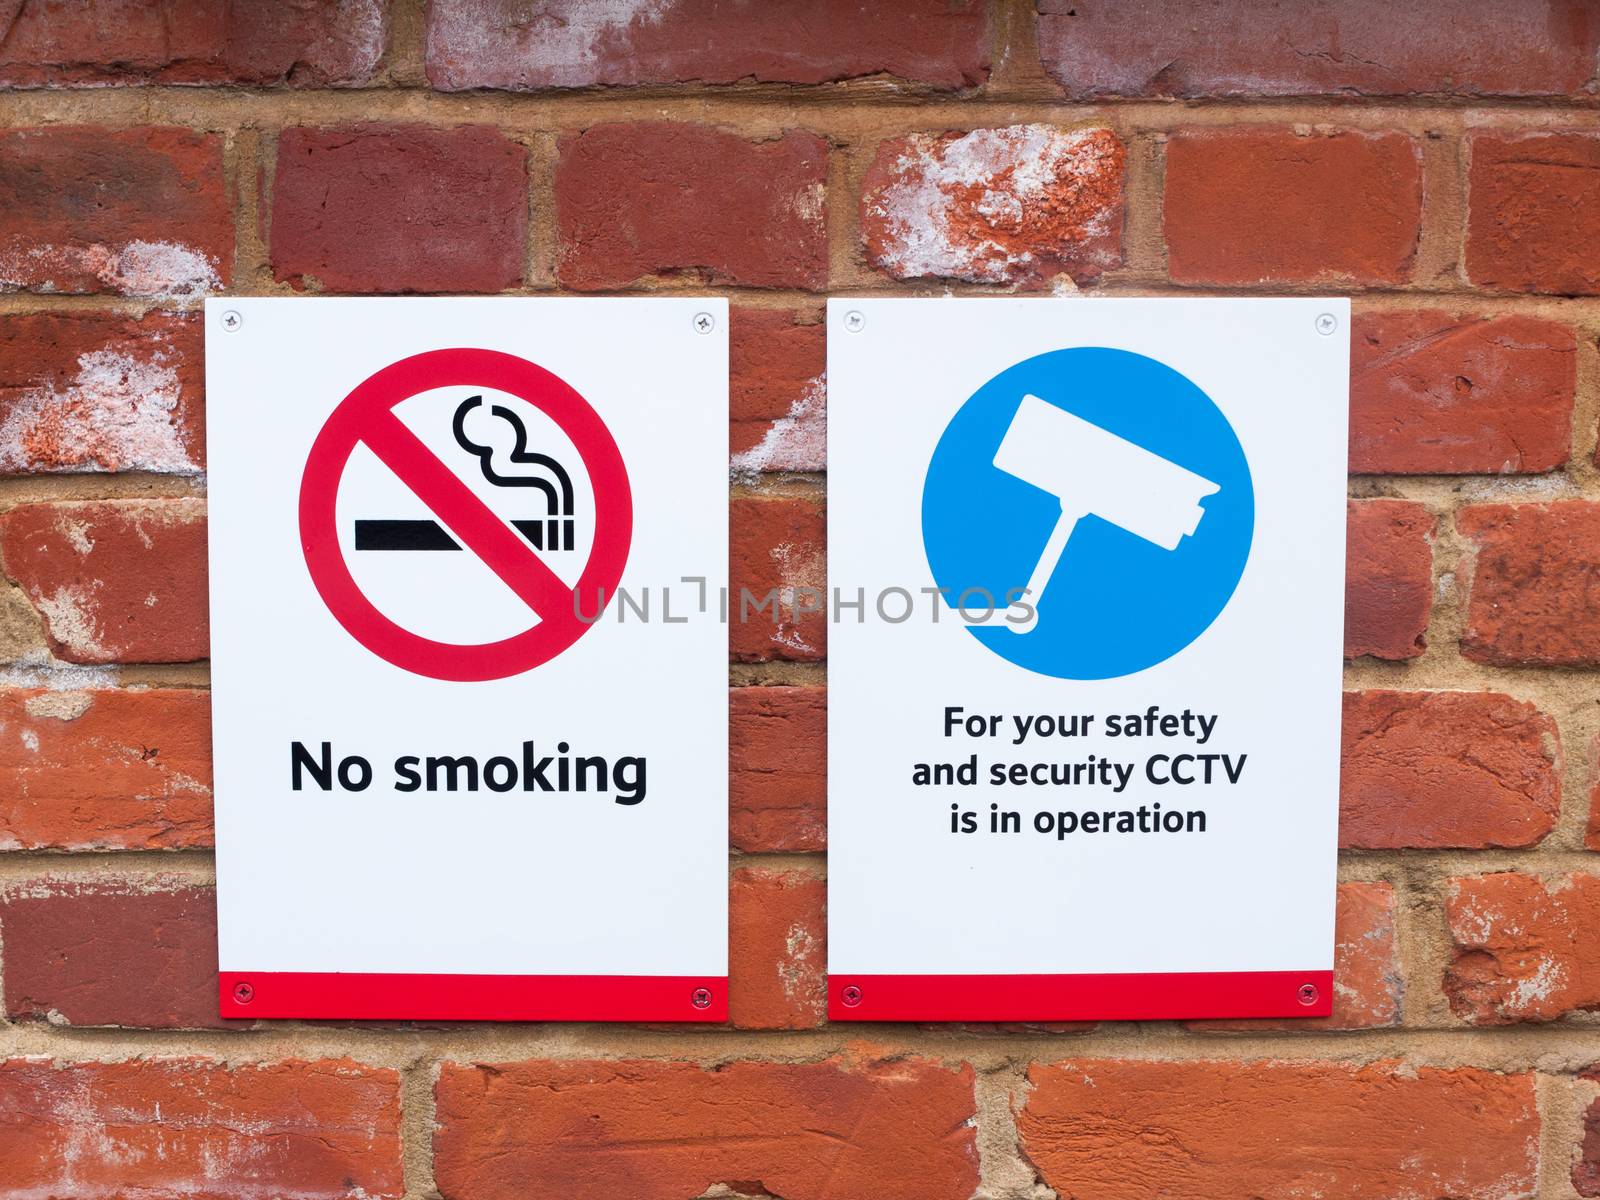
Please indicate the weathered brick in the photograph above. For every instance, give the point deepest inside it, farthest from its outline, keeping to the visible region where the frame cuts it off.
(777, 950)
(1432, 394)
(105, 769)
(1363, 47)
(101, 392)
(115, 580)
(1534, 212)
(1442, 770)
(1014, 205)
(671, 198)
(142, 212)
(1586, 1170)
(1273, 205)
(95, 43)
(1525, 950)
(778, 769)
(111, 953)
(900, 1130)
(777, 391)
(399, 208)
(1388, 579)
(1533, 582)
(577, 43)
(197, 1129)
(778, 603)
(1124, 1130)
(1366, 971)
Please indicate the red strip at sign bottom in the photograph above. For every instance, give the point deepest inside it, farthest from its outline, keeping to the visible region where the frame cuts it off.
(1146, 997)
(250, 995)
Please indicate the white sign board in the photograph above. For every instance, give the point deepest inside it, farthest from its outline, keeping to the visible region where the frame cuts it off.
(455, 776)
(1083, 744)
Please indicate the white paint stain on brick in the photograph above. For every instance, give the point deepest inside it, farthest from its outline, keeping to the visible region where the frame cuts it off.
(59, 706)
(69, 613)
(1536, 987)
(801, 578)
(794, 969)
(984, 206)
(58, 676)
(552, 44)
(150, 270)
(795, 442)
(369, 32)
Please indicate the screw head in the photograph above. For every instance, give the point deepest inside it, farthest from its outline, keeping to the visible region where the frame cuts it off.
(1327, 323)
(701, 998)
(704, 322)
(1308, 993)
(851, 996)
(854, 321)
(231, 320)
(243, 993)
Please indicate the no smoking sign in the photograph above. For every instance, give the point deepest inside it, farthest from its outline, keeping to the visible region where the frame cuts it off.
(456, 776)
(488, 494)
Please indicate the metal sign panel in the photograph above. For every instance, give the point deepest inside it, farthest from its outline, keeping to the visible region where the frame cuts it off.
(1084, 686)
(455, 776)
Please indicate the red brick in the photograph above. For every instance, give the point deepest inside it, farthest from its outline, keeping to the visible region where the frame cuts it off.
(1446, 770)
(1362, 47)
(1586, 1170)
(1366, 972)
(777, 559)
(111, 953)
(778, 769)
(674, 199)
(1270, 205)
(1015, 205)
(577, 43)
(197, 1129)
(115, 580)
(106, 769)
(1126, 1130)
(399, 208)
(93, 43)
(142, 212)
(777, 950)
(1534, 212)
(777, 391)
(1533, 585)
(1388, 586)
(1431, 394)
(814, 1131)
(1525, 950)
(101, 392)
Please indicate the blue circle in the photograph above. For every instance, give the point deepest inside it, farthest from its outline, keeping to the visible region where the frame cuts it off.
(1116, 603)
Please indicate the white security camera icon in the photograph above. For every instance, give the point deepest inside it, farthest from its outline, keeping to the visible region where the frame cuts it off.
(1091, 470)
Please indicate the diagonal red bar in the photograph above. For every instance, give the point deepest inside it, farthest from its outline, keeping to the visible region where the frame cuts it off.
(469, 518)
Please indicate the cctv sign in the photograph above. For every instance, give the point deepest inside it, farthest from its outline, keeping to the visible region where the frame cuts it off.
(1084, 684)
(456, 778)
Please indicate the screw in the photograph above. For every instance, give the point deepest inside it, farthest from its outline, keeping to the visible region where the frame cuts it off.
(1308, 993)
(854, 322)
(701, 998)
(704, 322)
(243, 993)
(1327, 323)
(231, 320)
(851, 996)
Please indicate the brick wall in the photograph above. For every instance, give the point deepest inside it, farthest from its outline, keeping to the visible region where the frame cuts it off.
(1438, 160)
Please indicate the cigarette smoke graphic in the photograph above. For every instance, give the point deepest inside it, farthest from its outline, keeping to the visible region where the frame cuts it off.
(558, 534)
(554, 531)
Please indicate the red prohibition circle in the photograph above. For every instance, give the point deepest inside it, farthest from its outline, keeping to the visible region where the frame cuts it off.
(367, 416)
